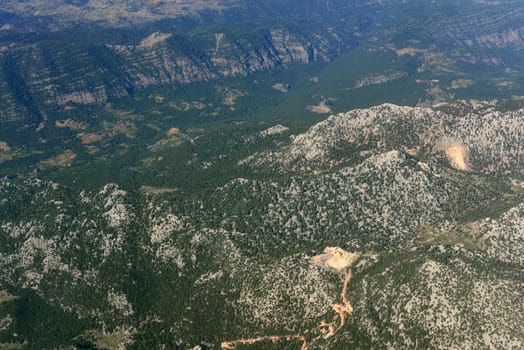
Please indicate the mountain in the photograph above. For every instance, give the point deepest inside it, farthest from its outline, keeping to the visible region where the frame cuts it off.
(483, 140)
(239, 260)
(66, 60)
(261, 174)
(66, 76)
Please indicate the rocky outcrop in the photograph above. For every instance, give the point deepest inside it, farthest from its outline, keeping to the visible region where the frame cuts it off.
(485, 141)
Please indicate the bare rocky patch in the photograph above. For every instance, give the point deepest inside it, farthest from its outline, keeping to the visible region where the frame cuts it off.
(4, 147)
(274, 130)
(154, 39)
(324, 107)
(458, 156)
(71, 124)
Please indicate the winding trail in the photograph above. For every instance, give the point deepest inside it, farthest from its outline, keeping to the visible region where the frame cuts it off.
(230, 345)
(326, 329)
(342, 309)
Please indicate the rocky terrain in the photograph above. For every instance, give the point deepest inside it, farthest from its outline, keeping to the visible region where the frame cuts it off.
(261, 174)
(438, 248)
(487, 141)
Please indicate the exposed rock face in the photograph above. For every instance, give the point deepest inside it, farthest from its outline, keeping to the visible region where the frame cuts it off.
(323, 107)
(458, 156)
(478, 29)
(154, 39)
(94, 70)
(335, 258)
(82, 75)
(274, 130)
(223, 55)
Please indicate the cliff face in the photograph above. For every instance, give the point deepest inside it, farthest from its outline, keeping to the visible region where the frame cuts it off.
(58, 74)
(222, 55)
(59, 68)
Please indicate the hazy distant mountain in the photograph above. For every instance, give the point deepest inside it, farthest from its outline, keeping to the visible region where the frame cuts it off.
(123, 12)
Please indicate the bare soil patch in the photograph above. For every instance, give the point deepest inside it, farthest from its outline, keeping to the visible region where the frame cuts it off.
(61, 160)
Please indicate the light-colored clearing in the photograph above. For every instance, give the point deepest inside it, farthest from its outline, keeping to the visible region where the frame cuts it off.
(230, 95)
(40, 127)
(4, 147)
(6, 297)
(461, 84)
(154, 39)
(411, 51)
(89, 138)
(274, 130)
(186, 106)
(281, 87)
(63, 159)
(335, 258)
(79, 97)
(458, 157)
(173, 131)
(322, 108)
(156, 190)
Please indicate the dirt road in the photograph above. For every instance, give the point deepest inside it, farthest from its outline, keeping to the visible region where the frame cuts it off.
(326, 329)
